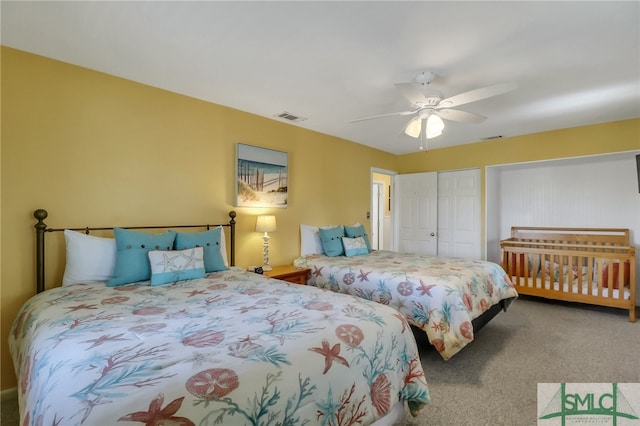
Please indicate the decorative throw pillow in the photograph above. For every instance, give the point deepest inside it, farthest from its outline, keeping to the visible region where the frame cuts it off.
(132, 262)
(178, 265)
(332, 241)
(357, 230)
(354, 246)
(89, 258)
(210, 241)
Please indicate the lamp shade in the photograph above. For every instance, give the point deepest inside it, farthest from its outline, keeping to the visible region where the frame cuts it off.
(435, 126)
(266, 223)
(414, 127)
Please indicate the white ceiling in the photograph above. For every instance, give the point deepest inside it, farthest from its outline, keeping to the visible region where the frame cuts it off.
(575, 63)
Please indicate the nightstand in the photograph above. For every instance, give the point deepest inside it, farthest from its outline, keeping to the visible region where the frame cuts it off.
(289, 273)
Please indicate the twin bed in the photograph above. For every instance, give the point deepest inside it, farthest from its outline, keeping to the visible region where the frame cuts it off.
(449, 299)
(221, 346)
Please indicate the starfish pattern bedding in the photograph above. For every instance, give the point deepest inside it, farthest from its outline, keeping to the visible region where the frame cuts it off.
(440, 295)
(233, 348)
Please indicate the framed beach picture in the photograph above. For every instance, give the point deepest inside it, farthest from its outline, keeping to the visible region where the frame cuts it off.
(262, 177)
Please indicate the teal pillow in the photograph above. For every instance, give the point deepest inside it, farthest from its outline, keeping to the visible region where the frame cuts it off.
(358, 231)
(331, 239)
(176, 265)
(132, 262)
(209, 241)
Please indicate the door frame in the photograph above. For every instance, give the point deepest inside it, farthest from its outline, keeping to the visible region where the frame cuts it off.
(391, 229)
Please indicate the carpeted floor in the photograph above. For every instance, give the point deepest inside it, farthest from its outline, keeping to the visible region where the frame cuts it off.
(493, 381)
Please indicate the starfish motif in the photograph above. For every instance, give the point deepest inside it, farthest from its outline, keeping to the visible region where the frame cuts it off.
(196, 292)
(363, 276)
(82, 306)
(103, 339)
(317, 272)
(330, 354)
(156, 415)
(425, 289)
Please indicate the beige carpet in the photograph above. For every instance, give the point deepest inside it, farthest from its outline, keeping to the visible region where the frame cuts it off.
(494, 380)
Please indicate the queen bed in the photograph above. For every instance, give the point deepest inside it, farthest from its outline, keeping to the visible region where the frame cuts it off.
(227, 347)
(450, 299)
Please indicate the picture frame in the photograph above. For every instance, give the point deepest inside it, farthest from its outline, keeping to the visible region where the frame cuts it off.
(262, 177)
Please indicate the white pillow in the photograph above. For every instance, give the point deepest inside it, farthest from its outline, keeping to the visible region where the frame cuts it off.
(89, 258)
(310, 240)
(223, 247)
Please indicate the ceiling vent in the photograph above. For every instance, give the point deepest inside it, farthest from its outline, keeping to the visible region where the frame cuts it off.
(493, 137)
(290, 117)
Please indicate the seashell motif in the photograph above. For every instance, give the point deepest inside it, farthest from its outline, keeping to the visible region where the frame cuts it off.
(349, 278)
(350, 334)
(405, 288)
(318, 306)
(381, 394)
(149, 310)
(466, 329)
(203, 338)
(114, 300)
(213, 383)
(243, 349)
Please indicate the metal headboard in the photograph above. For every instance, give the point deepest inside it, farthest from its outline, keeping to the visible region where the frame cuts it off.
(41, 229)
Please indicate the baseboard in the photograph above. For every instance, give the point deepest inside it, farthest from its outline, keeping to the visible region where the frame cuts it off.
(9, 394)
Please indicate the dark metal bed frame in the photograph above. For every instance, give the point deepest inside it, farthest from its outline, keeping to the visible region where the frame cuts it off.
(41, 229)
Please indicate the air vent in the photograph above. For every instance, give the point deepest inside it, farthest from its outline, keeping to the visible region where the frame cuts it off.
(493, 137)
(290, 117)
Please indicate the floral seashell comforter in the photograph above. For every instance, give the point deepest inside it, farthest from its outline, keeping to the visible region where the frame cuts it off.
(234, 348)
(440, 295)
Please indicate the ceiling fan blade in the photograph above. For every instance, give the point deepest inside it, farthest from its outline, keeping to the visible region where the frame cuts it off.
(461, 116)
(391, 114)
(476, 95)
(412, 91)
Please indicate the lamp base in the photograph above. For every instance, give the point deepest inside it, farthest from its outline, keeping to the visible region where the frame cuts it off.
(266, 268)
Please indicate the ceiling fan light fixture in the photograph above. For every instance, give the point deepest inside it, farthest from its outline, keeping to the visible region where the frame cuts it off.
(414, 127)
(435, 126)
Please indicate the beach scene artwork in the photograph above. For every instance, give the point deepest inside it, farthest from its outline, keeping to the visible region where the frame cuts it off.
(262, 177)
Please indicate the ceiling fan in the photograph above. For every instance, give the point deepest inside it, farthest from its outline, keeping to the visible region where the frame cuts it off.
(429, 106)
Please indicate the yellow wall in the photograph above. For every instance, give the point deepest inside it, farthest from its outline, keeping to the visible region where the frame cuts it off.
(98, 150)
(619, 136)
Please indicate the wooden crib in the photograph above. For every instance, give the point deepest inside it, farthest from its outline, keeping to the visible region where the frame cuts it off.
(586, 265)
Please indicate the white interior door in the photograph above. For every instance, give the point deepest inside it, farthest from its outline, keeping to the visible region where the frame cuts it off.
(416, 217)
(459, 219)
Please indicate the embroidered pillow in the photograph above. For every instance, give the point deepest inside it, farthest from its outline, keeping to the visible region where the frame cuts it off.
(89, 258)
(210, 241)
(331, 239)
(357, 230)
(178, 265)
(132, 262)
(354, 246)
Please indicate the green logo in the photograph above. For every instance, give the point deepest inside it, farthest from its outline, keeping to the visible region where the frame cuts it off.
(591, 403)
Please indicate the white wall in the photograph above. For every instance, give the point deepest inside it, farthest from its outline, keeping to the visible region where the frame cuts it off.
(599, 191)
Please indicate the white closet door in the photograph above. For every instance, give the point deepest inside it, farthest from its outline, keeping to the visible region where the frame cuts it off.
(459, 220)
(416, 209)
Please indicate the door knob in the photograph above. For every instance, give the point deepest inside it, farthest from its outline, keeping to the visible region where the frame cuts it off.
(433, 234)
